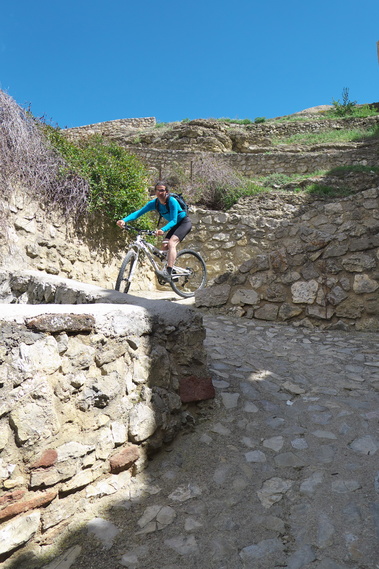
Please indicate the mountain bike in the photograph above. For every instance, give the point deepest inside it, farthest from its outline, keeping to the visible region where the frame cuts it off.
(189, 272)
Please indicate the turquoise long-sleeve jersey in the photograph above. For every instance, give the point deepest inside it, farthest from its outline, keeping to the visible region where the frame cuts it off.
(173, 214)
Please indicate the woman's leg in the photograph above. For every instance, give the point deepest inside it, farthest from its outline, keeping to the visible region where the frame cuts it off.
(171, 255)
(171, 240)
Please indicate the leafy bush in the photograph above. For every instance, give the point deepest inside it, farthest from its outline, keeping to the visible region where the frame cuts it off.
(117, 180)
(259, 120)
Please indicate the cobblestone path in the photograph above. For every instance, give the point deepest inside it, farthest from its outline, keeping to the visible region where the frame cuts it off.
(280, 470)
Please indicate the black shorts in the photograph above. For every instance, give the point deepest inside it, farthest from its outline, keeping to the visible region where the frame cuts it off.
(181, 229)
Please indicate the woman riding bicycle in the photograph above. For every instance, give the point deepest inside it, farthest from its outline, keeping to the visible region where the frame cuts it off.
(178, 226)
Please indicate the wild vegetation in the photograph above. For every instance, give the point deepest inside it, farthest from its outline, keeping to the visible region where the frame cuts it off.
(77, 179)
(117, 180)
(27, 159)
(212, 184)
(329, 136)
(96, 175)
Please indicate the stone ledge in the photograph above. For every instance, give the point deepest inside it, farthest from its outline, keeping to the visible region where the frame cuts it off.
(89, 387)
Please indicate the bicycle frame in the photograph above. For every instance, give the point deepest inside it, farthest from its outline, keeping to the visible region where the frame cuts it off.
(190, 268)
(141, 245)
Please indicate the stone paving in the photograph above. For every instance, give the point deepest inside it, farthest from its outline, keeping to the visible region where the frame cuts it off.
(280, 470)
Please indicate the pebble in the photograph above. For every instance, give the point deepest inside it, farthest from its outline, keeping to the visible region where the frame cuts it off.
(280, 470)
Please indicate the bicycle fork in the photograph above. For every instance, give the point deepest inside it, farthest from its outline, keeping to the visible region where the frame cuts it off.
(133, 267)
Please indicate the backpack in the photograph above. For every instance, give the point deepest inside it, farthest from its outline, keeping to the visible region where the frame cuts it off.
(179, 197)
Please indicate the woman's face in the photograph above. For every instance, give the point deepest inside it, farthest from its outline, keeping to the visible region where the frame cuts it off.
(161, 193)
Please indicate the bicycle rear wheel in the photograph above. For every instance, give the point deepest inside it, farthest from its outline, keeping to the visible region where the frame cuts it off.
(189, 273)
(125, 273)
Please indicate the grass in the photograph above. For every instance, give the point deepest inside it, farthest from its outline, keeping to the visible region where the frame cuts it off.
(355, 111)
(329, 136)
(276, 181)
(235, 121)
(325, 191)
(231, 197)
(362, 111)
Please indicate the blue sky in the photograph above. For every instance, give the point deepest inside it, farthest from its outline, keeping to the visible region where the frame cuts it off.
(86, 61)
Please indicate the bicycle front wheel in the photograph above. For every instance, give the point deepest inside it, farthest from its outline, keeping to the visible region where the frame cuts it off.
(189, 273)
(125, 273)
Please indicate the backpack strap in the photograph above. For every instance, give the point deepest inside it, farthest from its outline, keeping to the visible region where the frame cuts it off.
(167, 204)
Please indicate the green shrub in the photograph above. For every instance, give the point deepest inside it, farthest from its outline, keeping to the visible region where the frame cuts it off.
(117, 179)
(259, 120)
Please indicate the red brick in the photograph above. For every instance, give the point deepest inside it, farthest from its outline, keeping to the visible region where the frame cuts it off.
(124, 459)
(35, 501)
(48, 458)
(12, 496)
(193, 388)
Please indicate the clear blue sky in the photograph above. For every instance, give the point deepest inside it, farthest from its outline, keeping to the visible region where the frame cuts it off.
(86, 61)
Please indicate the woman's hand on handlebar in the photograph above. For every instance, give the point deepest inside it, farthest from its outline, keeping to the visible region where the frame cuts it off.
(121, 223)
(159, 232)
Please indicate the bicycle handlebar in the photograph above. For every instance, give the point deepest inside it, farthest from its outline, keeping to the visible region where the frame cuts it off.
(138, 230)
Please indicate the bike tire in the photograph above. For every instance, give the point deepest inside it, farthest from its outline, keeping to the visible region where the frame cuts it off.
(194, 275)
(123, 282)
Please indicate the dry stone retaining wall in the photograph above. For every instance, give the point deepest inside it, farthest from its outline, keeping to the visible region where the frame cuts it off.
(315, 264)
(86, 393)
(114, 129)
(263, 163)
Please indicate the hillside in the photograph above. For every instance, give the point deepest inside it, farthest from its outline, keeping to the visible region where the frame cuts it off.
(307, 146)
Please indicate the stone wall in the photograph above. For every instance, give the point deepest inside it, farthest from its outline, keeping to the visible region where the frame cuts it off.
(90, 251)
(114, 129)
(264, 161)
(87, 392)
(287, 260)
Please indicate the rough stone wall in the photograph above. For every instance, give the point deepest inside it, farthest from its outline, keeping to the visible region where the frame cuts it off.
(289, 128)
(90, 252)
(86, 393)
(114, 129)
(315, 264)
(264, 161)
